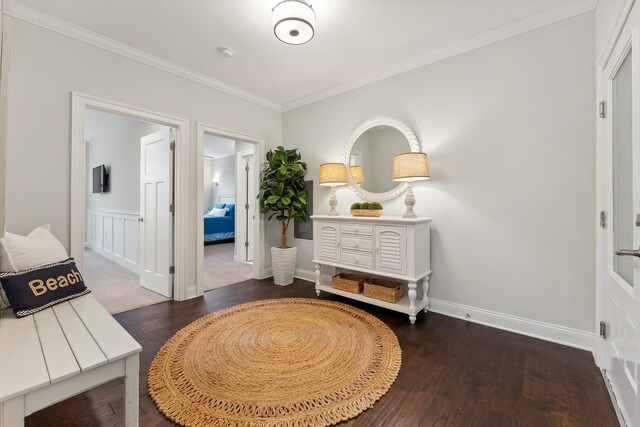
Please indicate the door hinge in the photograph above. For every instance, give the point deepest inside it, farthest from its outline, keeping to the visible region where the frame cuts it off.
(172, 270)
(246, 244)
(172, 146)
(603, 219)
(603, 329)
(246, 168)
(172, 208)
(603, 109)
(246, 206)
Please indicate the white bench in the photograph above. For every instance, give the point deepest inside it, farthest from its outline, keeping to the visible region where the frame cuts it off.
(60, 352)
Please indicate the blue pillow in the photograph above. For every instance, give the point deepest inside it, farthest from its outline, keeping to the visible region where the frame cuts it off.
(219, 206)
(231, 209)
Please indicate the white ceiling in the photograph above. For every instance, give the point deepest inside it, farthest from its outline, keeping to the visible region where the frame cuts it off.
(354, 38)
(216, 146)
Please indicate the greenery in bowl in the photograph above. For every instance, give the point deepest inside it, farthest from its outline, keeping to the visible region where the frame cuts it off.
(367, 206)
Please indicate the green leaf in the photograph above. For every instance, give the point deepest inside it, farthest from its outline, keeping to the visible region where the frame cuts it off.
(272, 199)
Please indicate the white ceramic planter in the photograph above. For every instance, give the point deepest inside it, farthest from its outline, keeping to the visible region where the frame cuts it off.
(284, 265)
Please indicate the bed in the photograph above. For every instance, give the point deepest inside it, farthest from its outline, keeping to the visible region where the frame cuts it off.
(219, 229)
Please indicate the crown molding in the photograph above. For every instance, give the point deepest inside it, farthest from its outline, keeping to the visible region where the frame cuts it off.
(547, 17)
(550, 16)
(33, 16)
(616, 29)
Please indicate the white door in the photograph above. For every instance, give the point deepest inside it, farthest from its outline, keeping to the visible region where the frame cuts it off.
(622, 233)
(156, 219)
(250, 206)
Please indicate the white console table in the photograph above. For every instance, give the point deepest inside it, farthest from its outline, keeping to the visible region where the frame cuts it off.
(393, 247)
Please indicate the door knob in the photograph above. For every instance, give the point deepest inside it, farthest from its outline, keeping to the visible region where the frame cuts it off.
(140, 219)
(628, 252)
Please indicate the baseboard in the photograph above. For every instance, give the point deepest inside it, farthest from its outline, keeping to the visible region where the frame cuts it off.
(134, 268)
(305, 275)
(532, 328)
(309, 276)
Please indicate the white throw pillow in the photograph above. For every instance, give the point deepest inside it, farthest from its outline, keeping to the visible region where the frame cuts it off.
(19, 253)
(218, 212)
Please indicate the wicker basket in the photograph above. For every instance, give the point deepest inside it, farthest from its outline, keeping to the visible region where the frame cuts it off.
(366, 212)
(384, 290)
(348, 282)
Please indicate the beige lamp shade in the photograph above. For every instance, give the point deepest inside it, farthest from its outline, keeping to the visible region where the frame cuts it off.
(333, 174)
(410, 167)
(358, 174)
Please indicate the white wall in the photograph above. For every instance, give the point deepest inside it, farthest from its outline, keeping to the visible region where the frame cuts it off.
(45, 68)
(510, 132)
(114, 141)
(224, 169)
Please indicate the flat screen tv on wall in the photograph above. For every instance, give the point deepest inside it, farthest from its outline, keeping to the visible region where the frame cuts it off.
(100, 179)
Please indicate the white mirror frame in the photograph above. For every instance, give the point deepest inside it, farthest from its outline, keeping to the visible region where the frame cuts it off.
(414, 146)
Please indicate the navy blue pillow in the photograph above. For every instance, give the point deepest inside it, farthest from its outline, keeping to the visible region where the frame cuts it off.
(231, 209)
(36, 289)
(219, 206)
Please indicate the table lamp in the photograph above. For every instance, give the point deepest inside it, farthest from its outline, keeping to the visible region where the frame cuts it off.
(333, 175)
(410, 167)
(358, 174)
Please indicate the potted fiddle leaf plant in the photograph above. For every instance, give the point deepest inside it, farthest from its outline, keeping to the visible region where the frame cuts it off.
(282, 195)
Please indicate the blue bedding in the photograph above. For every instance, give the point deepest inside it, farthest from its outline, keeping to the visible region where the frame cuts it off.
(219, 228)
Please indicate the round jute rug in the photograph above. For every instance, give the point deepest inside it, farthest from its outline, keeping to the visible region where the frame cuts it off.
(281, 362)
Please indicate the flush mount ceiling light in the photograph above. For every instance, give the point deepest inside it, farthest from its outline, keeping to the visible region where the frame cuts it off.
(294, 21)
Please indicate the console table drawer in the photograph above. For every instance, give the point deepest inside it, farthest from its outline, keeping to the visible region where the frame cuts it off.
(362, 259)
(357, 243)
(357, 229)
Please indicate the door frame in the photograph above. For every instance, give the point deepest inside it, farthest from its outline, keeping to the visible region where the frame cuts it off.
(602, 130)
(79, 104)
(240, 173)
(259, 226)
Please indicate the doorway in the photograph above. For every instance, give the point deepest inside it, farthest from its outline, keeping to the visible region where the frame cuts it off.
(169, 181)
(226, 165)
(242, 258)
(619, 259)
(120, 248)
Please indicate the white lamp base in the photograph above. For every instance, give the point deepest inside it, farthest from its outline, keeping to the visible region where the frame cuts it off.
(333, 202)
(409, 202)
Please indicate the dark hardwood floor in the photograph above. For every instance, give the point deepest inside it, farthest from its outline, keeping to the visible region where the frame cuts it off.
(454, 373)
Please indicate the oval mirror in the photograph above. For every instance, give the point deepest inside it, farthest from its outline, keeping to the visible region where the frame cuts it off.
(369, 156)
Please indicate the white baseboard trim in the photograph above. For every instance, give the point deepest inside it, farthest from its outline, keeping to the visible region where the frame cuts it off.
(134, 268)
(305, 275)
(309, 276)
(519, 325)
(532, 328)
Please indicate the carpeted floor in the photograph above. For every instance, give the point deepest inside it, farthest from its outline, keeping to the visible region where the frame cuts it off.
(221, 270)
(118, 289)
(115, 287)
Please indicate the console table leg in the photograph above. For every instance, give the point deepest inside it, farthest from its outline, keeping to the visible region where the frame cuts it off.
(412, 319)
(318, 274)
(412, 295)
(425, 292)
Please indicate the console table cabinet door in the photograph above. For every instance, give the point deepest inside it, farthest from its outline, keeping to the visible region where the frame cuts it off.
(330, 242)
(391, 249)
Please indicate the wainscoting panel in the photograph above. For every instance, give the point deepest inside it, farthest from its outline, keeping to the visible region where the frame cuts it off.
(114, 235)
